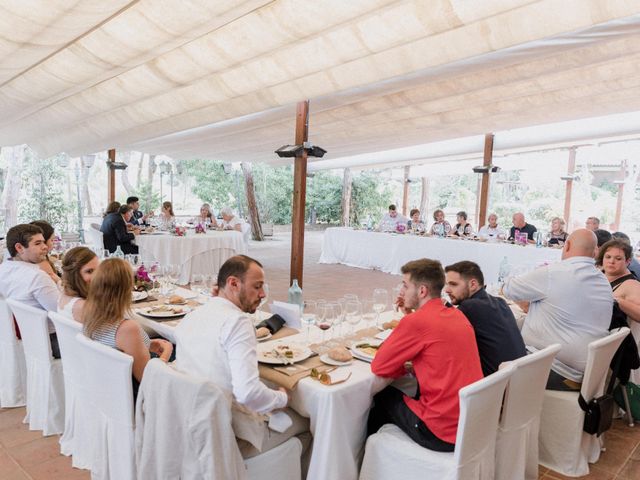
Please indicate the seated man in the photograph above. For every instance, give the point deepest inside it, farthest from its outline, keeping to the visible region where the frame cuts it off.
(520, 225)
(497, 334)
(23, 280)
(114, 231)
(440, 343)
(218, 342)
(592, 223)
(491, 231)
(137, 218)
(391, 219)
(570, 303)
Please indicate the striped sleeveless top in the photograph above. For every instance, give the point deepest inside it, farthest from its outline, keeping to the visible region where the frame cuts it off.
(106, 334)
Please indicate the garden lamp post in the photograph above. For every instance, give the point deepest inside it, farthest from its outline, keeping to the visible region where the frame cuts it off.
(87, 162)
(166, 169)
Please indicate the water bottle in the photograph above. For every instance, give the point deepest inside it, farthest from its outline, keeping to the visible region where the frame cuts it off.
(370, 223)
(295, 294)
(503, 272)
(118, 253)
(538, 239)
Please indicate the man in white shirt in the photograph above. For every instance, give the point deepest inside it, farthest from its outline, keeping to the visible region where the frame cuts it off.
(22, 279)
(570, 303)
(218, 342)
(492, 231)
(391, 220)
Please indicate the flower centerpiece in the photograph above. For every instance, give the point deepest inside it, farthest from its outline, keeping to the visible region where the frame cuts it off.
(200, 228)
(400, 227)
(142, 281)
(179, 231)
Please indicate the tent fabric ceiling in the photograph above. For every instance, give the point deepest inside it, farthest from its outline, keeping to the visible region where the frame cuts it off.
(198, 78)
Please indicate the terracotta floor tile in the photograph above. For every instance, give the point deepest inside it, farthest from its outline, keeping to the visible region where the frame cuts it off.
(618, 450)
(36, 452)
(9, 469)
(11, 417)
(595, 473)
(636, 453)
(58, 468)
(630, 471)
(18, 435)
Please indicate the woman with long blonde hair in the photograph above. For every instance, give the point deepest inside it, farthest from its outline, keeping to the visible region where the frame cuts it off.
(166, 219)
(78, 266)
(106, 316)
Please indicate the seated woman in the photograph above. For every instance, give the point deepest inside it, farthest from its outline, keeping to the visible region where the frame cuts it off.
(106, 317)
(557, 235)
(78, 267)
(206, 217)
(113, 207)
(49, 238)
(441, 226)
(414, 221)
(230, 221)
(166, 219)
(462, 228)
(615, 257)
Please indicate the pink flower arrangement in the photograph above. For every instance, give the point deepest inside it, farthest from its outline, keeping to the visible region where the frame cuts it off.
(400, 227)
(142, 281)
(200, 228)
(179, 231)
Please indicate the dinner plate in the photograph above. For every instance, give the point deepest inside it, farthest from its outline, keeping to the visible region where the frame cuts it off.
(137, 296)
(152, 312)
(362, 354)
(274, 354)
(325, 358)
(265, 338)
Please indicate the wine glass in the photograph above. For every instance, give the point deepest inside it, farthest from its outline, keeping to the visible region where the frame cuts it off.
(380, 302)
(198, 284)
(309, 312)
(173, 275)
(325, 318)
(154, 272)
(368, 313)
(352, 313)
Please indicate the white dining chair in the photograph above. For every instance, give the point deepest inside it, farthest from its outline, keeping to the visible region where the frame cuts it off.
(45, 382)
(107, 392)
(78, 419)
(517, 441)
(563, 446)
(93, 237)
(13, 374)
(390, 453)
(200, 441)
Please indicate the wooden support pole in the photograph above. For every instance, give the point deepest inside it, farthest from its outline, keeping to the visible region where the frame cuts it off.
(299, 194)
(571, 168)
(484, 185)
(620, 183)
(111, 189)
(405, 191)
(346, 198)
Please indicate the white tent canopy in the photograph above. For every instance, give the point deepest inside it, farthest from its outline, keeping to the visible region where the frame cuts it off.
(220, 79)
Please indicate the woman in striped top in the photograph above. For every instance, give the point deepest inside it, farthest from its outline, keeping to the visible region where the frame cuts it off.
(106, 316)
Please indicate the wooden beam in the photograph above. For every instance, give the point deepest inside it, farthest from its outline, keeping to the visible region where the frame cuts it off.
(571, 168)
(299, 194)
(484, 185)
(405, 191)
(111, 189)
(346, 198)
(620, 183)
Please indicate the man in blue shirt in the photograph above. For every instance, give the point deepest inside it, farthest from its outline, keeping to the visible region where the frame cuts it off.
(497, 334)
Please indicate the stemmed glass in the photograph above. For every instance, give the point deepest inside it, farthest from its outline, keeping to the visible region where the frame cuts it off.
(155, 273)
(309, 312)
(172, 273)
(326, 318)
(352, 313)
(198, 284)
(380, 302)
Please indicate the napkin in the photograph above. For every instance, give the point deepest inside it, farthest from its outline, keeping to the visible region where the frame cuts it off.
(289, 311)
(279, 422)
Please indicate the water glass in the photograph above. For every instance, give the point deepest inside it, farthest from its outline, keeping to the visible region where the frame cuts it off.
(368, 313)
(380, 302)
(309, 312)
(352, 313)
(198, 284)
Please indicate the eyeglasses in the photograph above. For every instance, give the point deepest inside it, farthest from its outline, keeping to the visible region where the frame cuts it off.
(324, 378)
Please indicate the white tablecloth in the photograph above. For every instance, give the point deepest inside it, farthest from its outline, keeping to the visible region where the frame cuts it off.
(195, 253)
(388, 252)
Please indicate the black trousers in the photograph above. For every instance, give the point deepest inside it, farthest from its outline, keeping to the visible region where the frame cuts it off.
(389, 407)
(558, 383)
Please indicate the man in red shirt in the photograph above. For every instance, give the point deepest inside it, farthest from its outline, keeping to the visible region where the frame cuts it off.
(441, 344)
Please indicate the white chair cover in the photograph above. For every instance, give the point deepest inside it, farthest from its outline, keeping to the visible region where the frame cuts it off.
(246, 232)
(93, 237)
(108, 394)
(563, 446)
(635, 331)
(517, 441)
(13, 373)
(390, 453)
(45, 382)
(76, 439)
(277, 463)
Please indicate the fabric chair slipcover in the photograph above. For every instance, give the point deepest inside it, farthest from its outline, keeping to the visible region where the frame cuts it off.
(199, 442)
(93, 237)
(390, 453)
(76, 439)
(246, 232)
(635, 331)
(13, 373)
(563, 446)
(107, 393)
(517, 441)
(45, 382)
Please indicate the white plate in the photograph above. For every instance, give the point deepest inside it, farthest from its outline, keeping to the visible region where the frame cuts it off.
(147, 312)
(359, 353)
(330, 361)
(266, 353)
(187, 294)
(137, 296)
(265, 338)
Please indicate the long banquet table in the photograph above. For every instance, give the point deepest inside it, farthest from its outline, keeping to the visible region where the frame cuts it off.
(195, 253)
(388, 252)
(337, 413)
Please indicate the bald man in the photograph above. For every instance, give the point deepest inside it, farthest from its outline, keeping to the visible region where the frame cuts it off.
(570, 303)
(520, 225)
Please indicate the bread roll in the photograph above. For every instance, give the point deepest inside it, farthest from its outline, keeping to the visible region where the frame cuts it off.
(390, 325)
(176, 299)
(340, 354)
(262, 332)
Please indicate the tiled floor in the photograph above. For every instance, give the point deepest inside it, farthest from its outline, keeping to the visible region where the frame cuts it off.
(28, 455)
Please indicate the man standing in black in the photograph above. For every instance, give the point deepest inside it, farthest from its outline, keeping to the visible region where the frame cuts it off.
(114, 231)
(497, 334)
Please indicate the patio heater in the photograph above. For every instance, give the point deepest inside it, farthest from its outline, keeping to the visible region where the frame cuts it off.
(86, 161)
(166, 169)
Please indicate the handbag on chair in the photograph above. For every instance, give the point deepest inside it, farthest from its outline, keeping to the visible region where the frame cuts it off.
(598, 413)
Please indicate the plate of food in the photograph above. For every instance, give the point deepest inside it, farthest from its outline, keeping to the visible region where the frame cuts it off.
(263, 334)
(164, 311)
(365, 349)
(176, 300)
(282, 353)
(338, 356)
(138, 296)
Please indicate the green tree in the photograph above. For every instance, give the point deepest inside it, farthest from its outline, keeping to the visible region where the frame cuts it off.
(369, 196)
(211, 183)
(324, 193)
(149, 199)
(274, 193)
